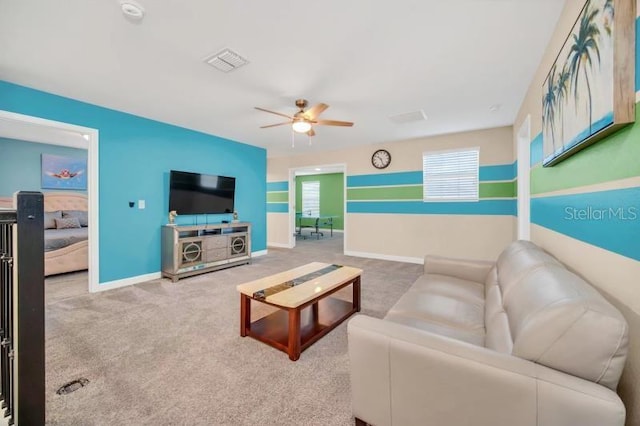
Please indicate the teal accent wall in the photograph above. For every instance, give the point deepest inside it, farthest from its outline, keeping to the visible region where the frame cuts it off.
(607, 219)
(136, 155)
(331, 195)
(20, 164)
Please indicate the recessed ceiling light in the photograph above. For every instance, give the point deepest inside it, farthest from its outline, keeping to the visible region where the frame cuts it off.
(132, 9)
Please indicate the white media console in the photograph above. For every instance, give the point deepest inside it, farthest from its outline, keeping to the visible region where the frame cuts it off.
(196, 249)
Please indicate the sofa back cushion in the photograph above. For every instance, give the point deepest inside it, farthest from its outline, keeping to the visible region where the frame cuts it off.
(496, 322)
(517, 260)
(558, 320)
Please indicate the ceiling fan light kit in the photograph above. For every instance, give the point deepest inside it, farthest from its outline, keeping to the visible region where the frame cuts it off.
(303, 121)
(301, 126)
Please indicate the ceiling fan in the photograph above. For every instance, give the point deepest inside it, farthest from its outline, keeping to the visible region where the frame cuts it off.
(302, 121)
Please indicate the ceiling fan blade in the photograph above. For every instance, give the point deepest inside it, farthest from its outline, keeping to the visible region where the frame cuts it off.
(335, 123)
(273, 112)
(311, 133)
(313, 112)
(275, 125)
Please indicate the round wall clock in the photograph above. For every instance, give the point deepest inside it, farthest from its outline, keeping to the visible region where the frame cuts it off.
(381, 159)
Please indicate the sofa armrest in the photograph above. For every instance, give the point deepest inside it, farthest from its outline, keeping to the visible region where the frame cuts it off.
(403, 375)
(472, 270)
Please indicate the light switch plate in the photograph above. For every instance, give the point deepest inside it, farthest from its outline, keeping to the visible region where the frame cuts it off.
(141, 204)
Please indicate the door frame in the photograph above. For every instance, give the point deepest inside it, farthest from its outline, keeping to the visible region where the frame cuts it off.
(523, 141)
(90, 138)
(292, 199)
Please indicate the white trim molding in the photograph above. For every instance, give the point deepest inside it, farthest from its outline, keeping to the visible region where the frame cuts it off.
(379, 256)
(259, 253)
(89, 140)
(110, 285)
(523, 198)
(279, 245)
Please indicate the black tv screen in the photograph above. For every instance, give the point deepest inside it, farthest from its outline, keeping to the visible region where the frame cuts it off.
(195, 193)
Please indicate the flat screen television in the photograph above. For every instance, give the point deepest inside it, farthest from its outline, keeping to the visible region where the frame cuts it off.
(195, 193)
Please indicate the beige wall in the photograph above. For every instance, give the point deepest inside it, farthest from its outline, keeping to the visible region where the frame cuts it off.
(617, 277)
(495, 148)
(409, 236)
(277, 229)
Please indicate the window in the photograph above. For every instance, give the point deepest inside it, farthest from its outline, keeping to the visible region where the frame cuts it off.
(311, 198)
(450, 175)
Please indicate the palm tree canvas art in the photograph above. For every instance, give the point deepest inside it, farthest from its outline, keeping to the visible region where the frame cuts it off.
(579, 94)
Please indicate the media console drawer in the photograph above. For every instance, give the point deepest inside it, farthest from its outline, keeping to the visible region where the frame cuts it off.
(215, 241)
(217, 254)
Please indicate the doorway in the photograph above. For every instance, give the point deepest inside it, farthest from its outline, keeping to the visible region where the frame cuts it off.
(34, 129)
(328, 216)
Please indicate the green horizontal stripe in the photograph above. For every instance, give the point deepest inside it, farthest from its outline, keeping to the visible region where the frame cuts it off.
(414, 192)
(498, 189)
(409, 192)
(612, 158)
(277, 197)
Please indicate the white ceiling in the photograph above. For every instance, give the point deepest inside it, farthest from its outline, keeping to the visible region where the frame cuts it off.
(368, 60)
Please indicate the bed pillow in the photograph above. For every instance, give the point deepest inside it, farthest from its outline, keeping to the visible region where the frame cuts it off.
(49, 222)
(82, 216)
(67, 223)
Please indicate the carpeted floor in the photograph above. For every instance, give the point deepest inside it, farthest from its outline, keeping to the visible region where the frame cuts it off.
(160, 353)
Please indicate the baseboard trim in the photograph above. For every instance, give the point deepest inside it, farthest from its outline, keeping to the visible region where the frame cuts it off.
(278, 245)
(110, 285)
(405, 259)
(259, 253)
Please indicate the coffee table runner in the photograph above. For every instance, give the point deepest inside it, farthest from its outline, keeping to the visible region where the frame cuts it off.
(269, 291)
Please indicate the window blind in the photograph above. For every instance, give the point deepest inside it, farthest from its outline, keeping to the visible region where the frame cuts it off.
(311, 198)
(450, 175)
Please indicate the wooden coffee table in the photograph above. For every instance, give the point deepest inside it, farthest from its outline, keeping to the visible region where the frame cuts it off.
(306, 310)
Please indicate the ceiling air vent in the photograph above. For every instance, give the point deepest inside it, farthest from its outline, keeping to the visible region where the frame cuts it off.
(408, 117)
(226, 60)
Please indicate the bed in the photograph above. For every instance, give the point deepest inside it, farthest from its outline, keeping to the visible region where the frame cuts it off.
(66, 249)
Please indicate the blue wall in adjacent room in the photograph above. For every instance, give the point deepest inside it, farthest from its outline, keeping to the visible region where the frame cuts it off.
(20, 164)
(136, 155)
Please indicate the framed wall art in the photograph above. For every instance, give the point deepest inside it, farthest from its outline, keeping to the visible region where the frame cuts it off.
(64, 172)
(589, 91)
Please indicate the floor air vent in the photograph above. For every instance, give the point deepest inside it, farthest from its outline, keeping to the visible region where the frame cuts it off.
(72, 386)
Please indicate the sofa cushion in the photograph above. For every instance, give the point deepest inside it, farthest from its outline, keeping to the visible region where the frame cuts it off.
(475, 337)
(558, 320)
(519, 259)
(498, 334)
(450, 286)
(449, 310)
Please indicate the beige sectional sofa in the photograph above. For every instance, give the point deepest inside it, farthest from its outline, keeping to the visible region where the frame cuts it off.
(520, 341)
